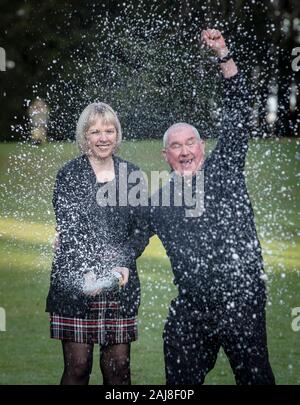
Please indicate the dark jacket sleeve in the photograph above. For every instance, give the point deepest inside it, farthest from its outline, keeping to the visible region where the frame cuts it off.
(138, 236)
(232, 144)
(62, 197)
(138, 239)
(70, 226)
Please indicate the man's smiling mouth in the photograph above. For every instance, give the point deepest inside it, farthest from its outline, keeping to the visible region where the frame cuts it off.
(186, 162)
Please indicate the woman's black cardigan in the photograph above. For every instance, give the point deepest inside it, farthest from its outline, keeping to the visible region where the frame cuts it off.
(93, 237)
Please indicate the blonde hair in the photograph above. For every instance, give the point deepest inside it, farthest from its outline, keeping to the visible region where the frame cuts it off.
(88, 117)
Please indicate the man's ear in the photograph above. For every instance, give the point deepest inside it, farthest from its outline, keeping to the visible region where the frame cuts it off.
(203, 145)
(164, 154)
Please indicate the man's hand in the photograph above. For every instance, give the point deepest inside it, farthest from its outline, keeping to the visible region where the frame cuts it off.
(215, 41)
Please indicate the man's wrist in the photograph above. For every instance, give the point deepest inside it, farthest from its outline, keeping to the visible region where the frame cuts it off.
(222, 53)
(225, 59)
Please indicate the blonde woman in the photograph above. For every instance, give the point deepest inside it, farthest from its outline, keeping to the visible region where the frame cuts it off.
(95, 240)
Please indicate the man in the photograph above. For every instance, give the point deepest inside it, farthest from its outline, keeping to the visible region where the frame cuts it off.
(215, 256)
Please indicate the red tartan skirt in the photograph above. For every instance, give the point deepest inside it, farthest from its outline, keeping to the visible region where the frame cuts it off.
(104, 324)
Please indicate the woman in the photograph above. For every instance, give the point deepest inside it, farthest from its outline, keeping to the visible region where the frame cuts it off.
(95, 239)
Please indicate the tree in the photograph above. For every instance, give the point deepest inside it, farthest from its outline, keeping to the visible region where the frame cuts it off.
(142, 58)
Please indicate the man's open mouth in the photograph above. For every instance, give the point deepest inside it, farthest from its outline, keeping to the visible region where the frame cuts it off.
(186, 162)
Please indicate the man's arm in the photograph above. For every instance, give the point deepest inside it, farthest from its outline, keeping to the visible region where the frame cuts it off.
(137, 241)
(233, 140)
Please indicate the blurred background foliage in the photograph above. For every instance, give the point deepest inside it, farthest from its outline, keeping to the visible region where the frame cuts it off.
(143, 58)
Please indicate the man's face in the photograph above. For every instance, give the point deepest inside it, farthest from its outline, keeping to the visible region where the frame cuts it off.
(184, 151)
(102, 139)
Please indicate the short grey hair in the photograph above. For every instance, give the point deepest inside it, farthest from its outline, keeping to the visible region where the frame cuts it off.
(88, 117)
(176, 126)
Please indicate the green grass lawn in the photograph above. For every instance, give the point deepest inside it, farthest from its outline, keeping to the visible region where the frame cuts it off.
(28, 356)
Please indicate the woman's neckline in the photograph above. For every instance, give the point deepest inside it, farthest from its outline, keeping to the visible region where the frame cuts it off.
(102, 182)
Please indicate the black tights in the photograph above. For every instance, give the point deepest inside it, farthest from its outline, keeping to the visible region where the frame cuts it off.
(78, 360)
(115, 364)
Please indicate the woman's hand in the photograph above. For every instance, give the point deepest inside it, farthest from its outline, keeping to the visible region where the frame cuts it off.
(124, 271)
(89, 281)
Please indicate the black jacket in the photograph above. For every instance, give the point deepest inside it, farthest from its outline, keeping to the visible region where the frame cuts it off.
(216, 257)
(93, 237)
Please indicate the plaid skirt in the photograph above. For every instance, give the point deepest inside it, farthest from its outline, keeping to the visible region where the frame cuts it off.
(104, 324)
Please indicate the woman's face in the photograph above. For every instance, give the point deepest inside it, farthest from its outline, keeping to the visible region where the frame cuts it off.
(101, 139)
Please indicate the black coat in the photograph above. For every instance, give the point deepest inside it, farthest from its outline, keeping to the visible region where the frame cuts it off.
(216, 257)
(93, 237)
